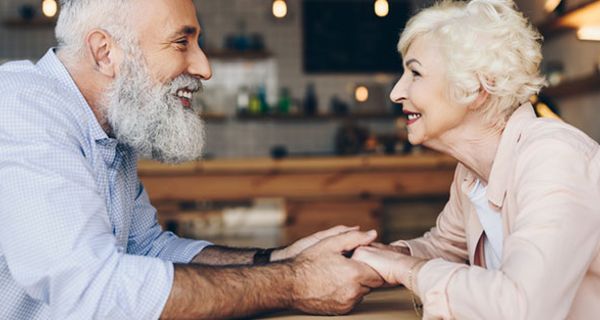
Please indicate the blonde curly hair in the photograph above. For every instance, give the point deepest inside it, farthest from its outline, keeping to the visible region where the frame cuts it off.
(487, 45)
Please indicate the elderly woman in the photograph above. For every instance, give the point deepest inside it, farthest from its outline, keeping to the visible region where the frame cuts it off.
(520, 235)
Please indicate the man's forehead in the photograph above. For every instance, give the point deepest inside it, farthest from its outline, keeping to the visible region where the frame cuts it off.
(169, 18)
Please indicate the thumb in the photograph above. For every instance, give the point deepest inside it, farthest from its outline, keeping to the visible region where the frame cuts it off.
(350, 240)
(363, 254)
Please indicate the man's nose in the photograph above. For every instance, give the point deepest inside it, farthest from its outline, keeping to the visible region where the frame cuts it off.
(199, 65)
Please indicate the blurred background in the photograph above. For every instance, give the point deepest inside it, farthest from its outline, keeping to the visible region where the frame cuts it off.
(301, 134)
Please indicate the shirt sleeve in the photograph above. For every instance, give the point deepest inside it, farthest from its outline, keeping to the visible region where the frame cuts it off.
(447, 239)
(56, 236)
(146, 236)
(554, 240)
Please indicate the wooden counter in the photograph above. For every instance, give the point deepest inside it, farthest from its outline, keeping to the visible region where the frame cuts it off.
(318, 192)
(366, 176)
(392, 304)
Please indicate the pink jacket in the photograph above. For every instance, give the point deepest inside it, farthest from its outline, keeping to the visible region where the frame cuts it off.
(545, 180)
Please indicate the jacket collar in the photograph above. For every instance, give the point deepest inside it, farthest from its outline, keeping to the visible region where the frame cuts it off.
(504, 160)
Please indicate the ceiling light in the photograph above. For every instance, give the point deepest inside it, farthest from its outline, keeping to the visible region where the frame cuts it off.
(361, 94)
(551, 5)
(49, 8)
(382, 8)
(279, 8)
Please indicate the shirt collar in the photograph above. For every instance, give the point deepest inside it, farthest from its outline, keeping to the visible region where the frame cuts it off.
(505, 155)
(53, 67)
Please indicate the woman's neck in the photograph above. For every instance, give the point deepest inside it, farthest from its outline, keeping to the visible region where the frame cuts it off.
(474, 144)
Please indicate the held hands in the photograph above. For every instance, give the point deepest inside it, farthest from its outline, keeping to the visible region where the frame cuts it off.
(391, 262)
(304, 243)
(326, 282)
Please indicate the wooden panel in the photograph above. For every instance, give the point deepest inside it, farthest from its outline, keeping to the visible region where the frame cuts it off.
(320, 193)
(351, 184)
(308, 217)
(297, 165)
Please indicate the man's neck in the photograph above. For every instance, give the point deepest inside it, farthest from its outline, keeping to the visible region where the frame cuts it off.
(91, 87)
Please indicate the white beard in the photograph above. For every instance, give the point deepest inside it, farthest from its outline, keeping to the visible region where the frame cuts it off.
(150, 118)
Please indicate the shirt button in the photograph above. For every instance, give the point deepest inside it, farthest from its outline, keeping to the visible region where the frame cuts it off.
(120, 249)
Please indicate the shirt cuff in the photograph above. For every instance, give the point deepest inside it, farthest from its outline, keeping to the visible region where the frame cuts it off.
(432, 287)
(144, 287)
(170, 272)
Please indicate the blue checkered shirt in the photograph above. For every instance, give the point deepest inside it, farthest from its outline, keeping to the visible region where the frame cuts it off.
(79, 238)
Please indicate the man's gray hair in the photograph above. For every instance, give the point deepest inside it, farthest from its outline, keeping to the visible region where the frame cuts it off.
(78, 17)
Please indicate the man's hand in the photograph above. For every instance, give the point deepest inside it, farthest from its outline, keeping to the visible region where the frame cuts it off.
(326, 282)
(389, 262)
(306, 242)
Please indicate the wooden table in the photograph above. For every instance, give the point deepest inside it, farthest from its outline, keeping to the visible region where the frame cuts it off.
(382, 304)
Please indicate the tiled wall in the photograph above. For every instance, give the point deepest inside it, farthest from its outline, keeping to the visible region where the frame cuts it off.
(18, 43)
(282, 37)
(256, 138)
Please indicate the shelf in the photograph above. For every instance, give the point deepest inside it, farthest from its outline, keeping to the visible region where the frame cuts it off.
(220, 117)
(579, 86)
(34, 23)
(586, 14)
(238, 55)
(321, 117)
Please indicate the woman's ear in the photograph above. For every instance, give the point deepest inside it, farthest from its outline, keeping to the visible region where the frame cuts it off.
(103, 53)
(482, 97)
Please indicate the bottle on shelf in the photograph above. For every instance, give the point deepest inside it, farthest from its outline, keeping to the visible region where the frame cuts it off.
(254, 103)
(285, 101)
(243, 100)
(311, 103)
(262, 97)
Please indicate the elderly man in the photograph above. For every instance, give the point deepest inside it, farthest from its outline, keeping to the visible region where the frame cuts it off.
(78, 237)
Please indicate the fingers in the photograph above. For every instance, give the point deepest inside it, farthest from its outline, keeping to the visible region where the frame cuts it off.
(371, 258)
(398, 243)
(379, 245)
(364, 290)
(365, 254)
(350, 240)
(368, 276)
(334, 231)
(400, 248)
(371, 279)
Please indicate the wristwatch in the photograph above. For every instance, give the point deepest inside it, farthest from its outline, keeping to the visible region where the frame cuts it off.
(262, 257)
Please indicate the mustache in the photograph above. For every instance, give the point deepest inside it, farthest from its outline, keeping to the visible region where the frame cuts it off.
(185, 81)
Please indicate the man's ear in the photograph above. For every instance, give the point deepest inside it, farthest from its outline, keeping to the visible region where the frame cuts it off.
(103, 53)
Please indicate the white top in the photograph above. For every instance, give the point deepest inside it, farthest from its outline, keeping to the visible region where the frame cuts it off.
(491, 221)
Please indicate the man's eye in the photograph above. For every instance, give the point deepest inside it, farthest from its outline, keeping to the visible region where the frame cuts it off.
(183, 42)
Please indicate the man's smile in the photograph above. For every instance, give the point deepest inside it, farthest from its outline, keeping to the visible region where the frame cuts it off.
(185, 96)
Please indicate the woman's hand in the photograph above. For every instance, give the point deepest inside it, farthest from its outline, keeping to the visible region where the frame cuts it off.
(307, 242)
(392, 266)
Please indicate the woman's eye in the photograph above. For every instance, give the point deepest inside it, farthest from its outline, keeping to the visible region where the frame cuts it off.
(415, 73)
